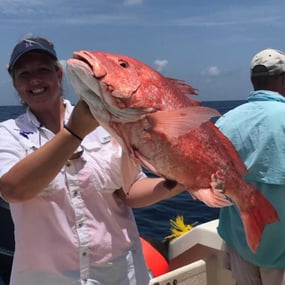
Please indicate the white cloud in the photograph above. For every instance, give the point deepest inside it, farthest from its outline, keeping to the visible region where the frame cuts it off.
(132, 2)
(161, 64)
(211, 71)
(98, 19)
(106, 12)
(19, 7)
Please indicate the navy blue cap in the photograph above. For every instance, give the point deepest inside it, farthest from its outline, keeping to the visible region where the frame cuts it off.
(27, 45)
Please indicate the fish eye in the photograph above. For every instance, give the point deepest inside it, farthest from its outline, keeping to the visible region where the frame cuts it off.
(123, 63)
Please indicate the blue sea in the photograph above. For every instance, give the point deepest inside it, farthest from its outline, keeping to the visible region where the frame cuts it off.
(153, 221)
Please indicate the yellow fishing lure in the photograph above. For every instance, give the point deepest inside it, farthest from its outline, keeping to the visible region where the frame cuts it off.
(178, 227)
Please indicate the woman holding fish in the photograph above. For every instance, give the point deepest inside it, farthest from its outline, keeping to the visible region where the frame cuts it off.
(61, 174)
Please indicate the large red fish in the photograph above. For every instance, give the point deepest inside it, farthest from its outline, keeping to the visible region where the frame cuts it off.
(161, 128)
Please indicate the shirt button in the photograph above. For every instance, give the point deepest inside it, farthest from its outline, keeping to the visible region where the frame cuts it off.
(80, 225)
(75, 193)
(84, 253)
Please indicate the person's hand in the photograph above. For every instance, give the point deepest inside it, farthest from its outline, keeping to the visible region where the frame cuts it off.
(214, 196)
(218, 181)
(211, 197)
(81, 121)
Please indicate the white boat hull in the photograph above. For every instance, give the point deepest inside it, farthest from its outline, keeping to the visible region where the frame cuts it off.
(196, 258)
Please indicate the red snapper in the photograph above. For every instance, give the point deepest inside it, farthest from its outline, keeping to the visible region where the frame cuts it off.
(163, 129)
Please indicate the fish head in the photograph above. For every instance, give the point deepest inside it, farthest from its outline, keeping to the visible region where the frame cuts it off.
(115, 83)
(124, 87)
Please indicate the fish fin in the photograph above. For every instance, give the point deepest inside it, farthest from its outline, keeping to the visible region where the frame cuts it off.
(130, 170)
(232, 152)
(180, 121)
(256, 216)
(184, 87)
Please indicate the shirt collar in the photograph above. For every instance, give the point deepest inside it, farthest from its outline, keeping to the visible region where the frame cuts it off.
(265, 95)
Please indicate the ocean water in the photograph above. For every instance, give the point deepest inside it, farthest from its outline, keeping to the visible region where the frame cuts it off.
(153, 221)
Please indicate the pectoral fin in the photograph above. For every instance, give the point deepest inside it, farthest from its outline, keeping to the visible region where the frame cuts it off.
(179, 122)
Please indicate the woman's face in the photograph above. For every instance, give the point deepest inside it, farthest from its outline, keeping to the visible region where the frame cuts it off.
(37, 79)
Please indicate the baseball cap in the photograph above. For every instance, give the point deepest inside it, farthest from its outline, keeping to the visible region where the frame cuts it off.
(27, 45)
(268, 62)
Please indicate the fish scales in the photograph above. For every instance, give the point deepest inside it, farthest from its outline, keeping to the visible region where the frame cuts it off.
(160, 127)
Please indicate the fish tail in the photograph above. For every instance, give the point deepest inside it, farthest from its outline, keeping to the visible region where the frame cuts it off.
(255, 215)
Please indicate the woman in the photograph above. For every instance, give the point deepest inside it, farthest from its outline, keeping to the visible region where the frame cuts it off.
(73, 222)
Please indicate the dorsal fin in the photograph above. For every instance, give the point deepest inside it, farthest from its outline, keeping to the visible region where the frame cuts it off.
(185, 89)
(183, 86)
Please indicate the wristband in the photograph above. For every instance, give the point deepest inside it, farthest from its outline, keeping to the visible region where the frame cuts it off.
(71, 132)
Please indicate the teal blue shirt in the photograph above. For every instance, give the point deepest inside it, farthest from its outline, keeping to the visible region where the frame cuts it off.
(257, 130)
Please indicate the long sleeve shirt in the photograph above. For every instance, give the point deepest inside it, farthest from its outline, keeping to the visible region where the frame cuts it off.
(77, 223)
(257, 130)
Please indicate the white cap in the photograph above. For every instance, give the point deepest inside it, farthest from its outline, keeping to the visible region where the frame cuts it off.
(268, 62)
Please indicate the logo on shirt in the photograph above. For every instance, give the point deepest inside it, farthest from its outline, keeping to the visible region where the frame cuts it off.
(24, 134)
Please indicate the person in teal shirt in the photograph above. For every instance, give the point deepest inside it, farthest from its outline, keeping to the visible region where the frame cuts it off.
(257, 130)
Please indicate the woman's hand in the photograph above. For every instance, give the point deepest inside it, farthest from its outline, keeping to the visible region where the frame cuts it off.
(81, 121)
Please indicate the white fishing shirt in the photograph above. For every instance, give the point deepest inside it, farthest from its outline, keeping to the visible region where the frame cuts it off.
(76, 224)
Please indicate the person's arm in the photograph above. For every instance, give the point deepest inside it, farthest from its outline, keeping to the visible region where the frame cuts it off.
(148, 191)
(29, 176)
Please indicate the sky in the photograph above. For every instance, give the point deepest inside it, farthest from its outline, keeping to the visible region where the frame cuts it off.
(207, 43)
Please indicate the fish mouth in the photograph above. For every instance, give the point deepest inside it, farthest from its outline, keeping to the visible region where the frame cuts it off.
(81, 59)
(91, 62)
